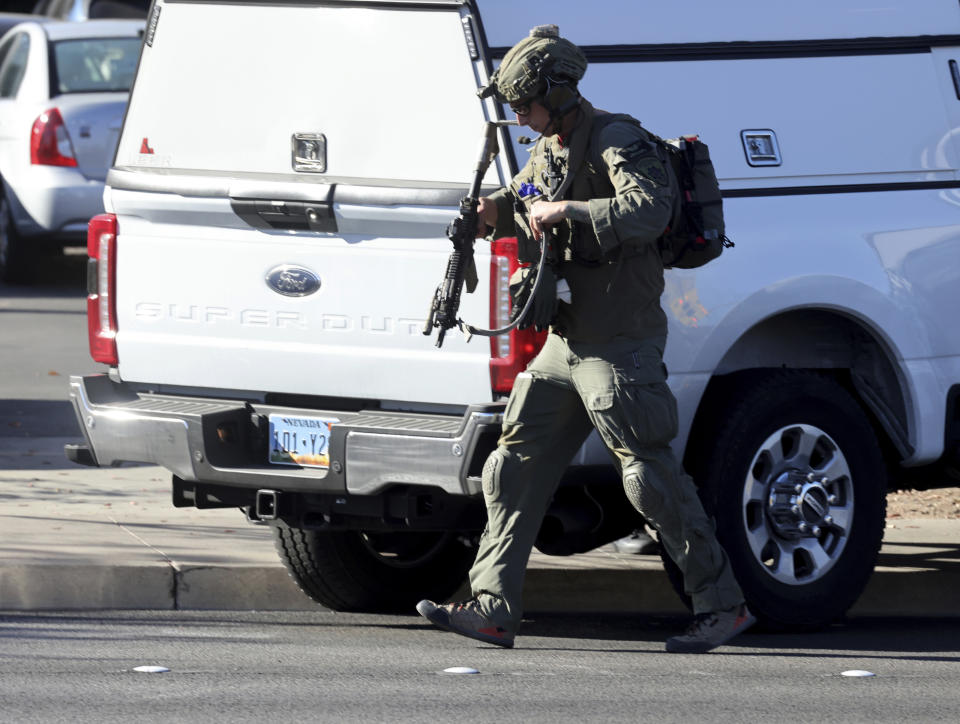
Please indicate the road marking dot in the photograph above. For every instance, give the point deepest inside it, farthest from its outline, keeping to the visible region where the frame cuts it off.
(151, 669)
(857, 672)
(460, 670)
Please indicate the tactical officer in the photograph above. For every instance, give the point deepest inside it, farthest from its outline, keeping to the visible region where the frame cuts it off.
(599, 192)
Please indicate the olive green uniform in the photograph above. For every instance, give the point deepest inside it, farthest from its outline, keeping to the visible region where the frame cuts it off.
(601, 367)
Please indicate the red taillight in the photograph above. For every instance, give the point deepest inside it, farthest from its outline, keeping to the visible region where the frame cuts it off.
(49, 142)
(101, 288)
(509, 353)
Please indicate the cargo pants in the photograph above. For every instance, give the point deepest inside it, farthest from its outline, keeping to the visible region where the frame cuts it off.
(618, 387)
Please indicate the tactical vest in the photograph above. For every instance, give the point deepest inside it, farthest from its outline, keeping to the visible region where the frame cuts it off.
(615, 293)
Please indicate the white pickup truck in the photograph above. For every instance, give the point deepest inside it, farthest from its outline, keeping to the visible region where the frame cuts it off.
(275, 230)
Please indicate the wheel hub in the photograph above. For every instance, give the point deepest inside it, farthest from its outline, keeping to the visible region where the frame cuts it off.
(798, 505)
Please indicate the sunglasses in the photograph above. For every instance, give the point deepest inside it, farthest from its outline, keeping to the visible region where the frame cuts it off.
(522, 108)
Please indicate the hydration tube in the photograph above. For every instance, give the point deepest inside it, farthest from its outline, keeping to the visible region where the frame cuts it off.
(471, 330)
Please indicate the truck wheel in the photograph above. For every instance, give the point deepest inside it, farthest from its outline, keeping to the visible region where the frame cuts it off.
(13, 254)
(373, 572)
(797, 483)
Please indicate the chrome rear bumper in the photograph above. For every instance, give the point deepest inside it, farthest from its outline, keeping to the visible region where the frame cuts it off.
(223, 441)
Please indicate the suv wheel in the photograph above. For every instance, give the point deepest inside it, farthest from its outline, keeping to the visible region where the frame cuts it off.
(797, 483)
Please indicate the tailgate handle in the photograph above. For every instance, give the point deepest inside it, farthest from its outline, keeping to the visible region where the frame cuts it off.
(293, 215)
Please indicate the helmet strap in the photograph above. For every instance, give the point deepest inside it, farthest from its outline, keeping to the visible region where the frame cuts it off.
(557, 112)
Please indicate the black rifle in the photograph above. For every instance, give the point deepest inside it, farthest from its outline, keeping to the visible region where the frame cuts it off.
(462, 231)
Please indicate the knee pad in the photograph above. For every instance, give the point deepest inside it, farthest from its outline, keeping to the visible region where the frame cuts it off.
(497, 466)
(642, 492)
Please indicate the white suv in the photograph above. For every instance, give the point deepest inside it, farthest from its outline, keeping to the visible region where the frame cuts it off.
(275, 231)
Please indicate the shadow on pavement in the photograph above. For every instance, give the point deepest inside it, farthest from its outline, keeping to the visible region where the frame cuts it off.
(66, 271)
(918, 554)
(38, 418)
(863, 639)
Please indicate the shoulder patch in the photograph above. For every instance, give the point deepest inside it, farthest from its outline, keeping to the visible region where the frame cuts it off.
(652, 169)
(640, 147)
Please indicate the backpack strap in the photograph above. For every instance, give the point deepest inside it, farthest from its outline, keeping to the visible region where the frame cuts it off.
(601, 121)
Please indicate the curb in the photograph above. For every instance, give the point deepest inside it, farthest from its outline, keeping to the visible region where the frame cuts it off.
(162, 586)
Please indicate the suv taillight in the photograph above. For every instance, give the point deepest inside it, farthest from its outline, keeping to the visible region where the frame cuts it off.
(101, 288)
(49, 141)
(510, 353)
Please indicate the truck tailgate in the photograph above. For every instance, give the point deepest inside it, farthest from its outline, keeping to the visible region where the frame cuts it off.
(196, 307)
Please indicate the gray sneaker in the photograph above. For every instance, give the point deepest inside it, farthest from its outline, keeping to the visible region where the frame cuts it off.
(710, 630)
(466, 618)
(637, 543)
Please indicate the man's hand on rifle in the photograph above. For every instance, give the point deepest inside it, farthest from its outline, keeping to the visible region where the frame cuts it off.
(486, 215)
(544, 214)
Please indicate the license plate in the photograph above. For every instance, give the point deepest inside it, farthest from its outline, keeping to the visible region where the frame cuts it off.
(301, 441)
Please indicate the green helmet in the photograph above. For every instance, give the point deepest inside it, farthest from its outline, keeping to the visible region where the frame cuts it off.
(536, 63)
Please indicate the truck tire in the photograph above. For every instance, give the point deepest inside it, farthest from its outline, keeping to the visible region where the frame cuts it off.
(373, 572)
(797, 483)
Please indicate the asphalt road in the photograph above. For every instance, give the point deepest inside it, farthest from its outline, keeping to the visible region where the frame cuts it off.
(359, 668)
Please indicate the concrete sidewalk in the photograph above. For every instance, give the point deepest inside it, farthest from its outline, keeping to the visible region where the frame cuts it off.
(87, 538)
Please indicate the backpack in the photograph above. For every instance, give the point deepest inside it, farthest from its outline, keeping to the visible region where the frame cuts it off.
(696, 235)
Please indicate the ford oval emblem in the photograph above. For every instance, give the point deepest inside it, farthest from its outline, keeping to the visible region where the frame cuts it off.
(292, 281)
